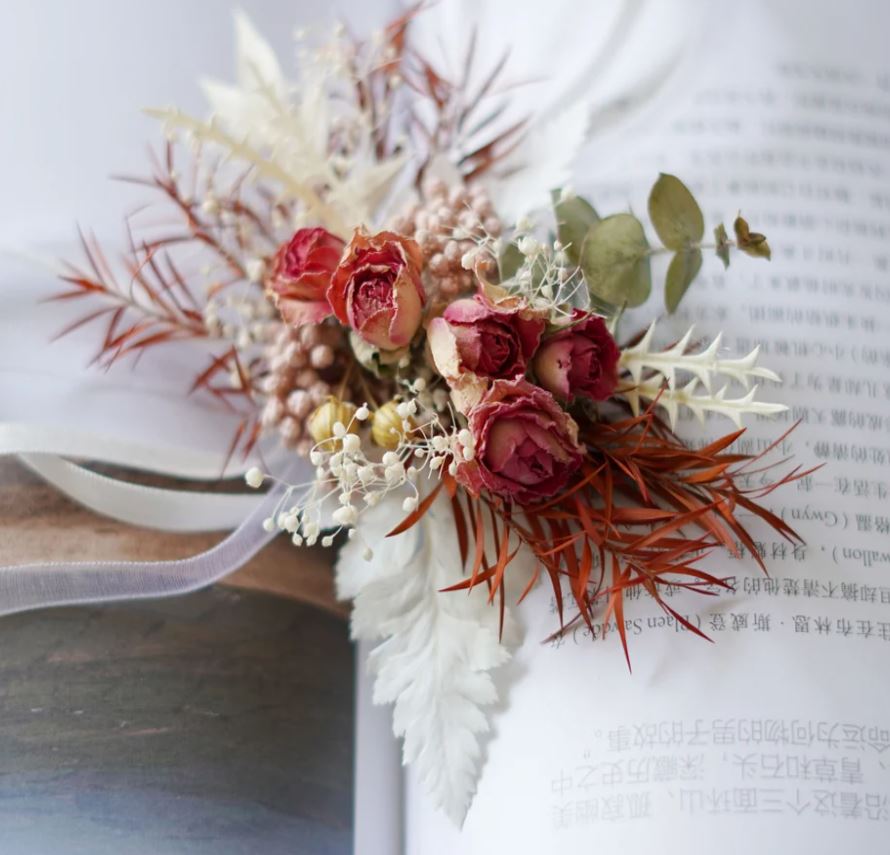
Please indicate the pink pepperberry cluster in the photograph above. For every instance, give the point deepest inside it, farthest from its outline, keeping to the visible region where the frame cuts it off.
(447, 225)
(305, 366)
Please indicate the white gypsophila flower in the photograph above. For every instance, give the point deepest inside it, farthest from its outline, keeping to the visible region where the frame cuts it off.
(351, 476)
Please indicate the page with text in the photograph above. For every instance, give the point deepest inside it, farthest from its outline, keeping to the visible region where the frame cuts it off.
(776, 736)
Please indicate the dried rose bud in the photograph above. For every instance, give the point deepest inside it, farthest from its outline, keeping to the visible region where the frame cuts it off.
(376, 290)
(301, 273)
(580, 361)
(525, 446)
(475, 342)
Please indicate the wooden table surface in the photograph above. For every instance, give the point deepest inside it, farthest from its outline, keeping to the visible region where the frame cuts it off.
(218, 722)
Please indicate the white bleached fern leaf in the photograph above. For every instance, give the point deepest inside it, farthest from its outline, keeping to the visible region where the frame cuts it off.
(284, 129)
(437, 648)
(248, 104)
(671, 399)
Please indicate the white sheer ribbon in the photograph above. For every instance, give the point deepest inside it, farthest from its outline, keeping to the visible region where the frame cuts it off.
(177, 462)
(31, 586)
(150, 507)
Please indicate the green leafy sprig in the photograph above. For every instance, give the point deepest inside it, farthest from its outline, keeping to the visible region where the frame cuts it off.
(614, 254)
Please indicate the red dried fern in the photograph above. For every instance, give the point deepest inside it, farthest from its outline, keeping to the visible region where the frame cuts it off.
(153, 307)
(643, 513)
(457, 119)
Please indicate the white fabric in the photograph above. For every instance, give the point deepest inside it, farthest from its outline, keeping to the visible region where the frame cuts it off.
(50, 385)
(560, 52)
(76, 76)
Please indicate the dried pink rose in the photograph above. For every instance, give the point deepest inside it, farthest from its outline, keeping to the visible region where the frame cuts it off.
(301, 274)
(526, 445)
(476, 341)
(376, 289)
(580, 360)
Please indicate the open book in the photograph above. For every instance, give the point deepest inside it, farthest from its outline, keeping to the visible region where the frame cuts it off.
(776, 738)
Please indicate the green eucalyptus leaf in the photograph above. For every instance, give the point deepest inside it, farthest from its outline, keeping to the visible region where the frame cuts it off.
(615, 261)
(675, 214)
(722, 241)
(510, 260)
(683, 269)
(574, 217)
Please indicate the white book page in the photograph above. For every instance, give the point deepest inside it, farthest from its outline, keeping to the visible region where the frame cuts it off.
(777, 736)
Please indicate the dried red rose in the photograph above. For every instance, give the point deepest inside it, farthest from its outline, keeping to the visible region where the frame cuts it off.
(301, 274)
(376, 289)
(580, 360)
(526, 445)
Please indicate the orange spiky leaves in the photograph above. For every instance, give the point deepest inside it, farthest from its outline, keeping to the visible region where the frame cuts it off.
(146, 300)
(643, 512)
(447, 115)
(154, 307)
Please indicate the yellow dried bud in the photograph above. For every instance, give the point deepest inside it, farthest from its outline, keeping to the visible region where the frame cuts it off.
(387, 428)
(324, 422)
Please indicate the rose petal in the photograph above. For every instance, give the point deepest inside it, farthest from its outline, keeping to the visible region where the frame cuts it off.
(407, 316)
(443, 347)
(552, 366)
(299, 312)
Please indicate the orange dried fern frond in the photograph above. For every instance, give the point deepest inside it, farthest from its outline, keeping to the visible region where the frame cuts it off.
(222, 229)
(153, 306)
(452, 117)
(146, 301)
(644, 511)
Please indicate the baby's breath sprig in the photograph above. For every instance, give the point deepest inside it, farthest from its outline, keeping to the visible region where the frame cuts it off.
(352, 474)
(540, 272)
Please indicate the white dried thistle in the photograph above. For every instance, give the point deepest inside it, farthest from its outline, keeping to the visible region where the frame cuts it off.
(705, 365)
(655, 376)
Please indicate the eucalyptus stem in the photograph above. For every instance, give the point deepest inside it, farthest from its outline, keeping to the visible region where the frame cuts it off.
(666, 250)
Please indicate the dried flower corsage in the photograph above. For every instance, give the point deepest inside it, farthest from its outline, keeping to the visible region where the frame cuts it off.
(452, 371)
